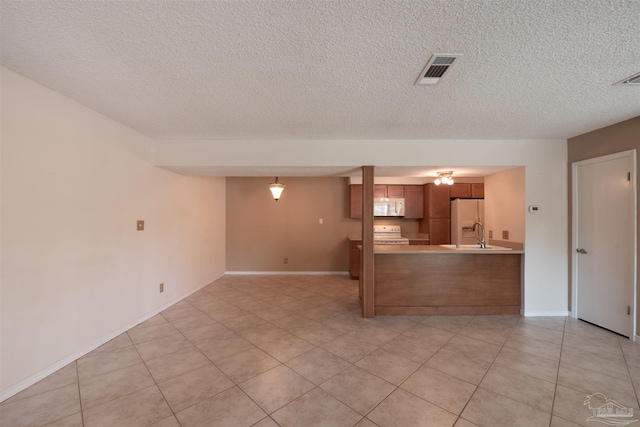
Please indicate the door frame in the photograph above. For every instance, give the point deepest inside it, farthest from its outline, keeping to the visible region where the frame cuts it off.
(631, 154)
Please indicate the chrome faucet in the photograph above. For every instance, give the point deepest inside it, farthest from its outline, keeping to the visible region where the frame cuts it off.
(481, 241)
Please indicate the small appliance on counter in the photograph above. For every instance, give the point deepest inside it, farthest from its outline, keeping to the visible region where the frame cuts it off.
(464, 214)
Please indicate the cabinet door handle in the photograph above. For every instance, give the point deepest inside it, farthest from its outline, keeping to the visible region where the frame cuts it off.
(581, 251)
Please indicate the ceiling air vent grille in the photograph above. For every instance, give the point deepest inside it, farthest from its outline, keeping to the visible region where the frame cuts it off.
(633, 80)
(437, 66)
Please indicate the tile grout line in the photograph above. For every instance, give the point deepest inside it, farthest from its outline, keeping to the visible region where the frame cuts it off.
(584, 369)
(485, 374)
(196, 347)
(397, 387)
(555, 389)
(340, 308)
(269, 415)
(144, 362)
(257, 347)
(179, 332)
(633, 385)
(318, 386)
(79, 393)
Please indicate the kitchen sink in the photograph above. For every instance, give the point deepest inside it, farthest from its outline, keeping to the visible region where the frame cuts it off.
(475, 248)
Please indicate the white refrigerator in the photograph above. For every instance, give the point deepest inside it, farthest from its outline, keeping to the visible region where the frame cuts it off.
(465, 213)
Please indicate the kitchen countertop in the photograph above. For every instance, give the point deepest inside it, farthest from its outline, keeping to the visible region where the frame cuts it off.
(436, 249)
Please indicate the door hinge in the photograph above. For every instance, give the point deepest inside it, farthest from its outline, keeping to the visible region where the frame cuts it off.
(628, 176)
(628, 309)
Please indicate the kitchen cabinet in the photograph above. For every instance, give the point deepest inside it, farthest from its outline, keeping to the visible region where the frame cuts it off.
(355, 201)
(417, 242)
(414, 201)
(413, 198)
(354, 259)
(414, 281)
(440, 231)
(388, 191)
(437, 214)
(467, 191)
(477, 191)
(462, 191)
(437, 201)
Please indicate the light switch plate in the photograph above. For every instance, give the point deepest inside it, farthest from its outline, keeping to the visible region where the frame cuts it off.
(140, 225)
(505, 234)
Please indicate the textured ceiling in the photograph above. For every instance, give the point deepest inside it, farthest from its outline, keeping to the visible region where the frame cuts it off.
(317, 69)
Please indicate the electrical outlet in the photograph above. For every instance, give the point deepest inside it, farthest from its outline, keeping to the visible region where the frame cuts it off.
(505, 234)
(161, 287)
(491, 234)
(286, 260)
(140, 225)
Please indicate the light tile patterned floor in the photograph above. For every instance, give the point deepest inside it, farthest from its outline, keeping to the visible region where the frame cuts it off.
(294, 351)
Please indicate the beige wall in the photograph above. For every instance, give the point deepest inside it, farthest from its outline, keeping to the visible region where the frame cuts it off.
(505, 208)
(622, 136)
(75, 272)
(262, 232)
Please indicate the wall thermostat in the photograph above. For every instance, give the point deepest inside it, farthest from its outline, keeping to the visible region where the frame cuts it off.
(534, 208)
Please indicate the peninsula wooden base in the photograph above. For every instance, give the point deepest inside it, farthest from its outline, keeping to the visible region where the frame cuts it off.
(431, 283)
(447, 311)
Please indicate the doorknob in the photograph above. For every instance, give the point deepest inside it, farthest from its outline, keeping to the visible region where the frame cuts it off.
(581, 251)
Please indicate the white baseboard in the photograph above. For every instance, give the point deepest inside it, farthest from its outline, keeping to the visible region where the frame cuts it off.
(286, 273)
(546, 313)
(28, 382)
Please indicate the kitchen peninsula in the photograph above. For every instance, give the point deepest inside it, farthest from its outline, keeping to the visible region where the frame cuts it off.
(435, 280)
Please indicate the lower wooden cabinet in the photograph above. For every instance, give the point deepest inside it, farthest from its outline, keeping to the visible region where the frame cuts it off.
(354, 259)
(439, 231)
(419, 242)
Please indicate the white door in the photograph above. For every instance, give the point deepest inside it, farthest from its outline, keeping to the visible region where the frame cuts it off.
(604, 241)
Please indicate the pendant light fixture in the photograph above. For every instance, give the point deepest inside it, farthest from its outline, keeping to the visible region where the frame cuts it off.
(276, 189)
(444, 178)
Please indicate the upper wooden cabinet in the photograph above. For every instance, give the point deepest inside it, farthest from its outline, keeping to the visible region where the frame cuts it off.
(389, 191)
(413, 198)
(355, 201)
(413, 201)
(477, 191)
(462, 191)
(467, 191)
(437, 201)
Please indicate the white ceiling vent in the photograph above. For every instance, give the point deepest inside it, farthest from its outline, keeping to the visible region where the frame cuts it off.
(633, 80)
(437, 66)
